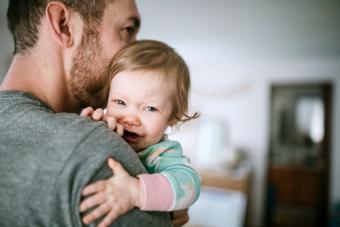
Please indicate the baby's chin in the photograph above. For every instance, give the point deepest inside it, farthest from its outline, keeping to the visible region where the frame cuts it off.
(141, 146)
(138, 148)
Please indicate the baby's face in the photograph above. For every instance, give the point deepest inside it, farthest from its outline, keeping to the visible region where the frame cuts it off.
(141, 103)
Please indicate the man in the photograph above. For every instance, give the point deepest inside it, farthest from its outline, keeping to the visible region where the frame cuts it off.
(62, 49)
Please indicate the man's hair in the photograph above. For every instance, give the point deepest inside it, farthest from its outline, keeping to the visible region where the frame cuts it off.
(24, 17)
(151, 55)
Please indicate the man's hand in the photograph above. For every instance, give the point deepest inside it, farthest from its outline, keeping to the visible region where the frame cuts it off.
(179, 217)
(112, 197)
(99, 115)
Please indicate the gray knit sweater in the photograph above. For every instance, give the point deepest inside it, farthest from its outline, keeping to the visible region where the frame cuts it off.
(46, 159)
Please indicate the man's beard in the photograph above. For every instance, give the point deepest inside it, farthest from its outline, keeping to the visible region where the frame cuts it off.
(88, 77)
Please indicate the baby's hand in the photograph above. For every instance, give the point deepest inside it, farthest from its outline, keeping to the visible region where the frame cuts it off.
(112, 197)
(99, 115)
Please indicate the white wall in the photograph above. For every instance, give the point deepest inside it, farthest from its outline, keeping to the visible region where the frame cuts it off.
(235, 50)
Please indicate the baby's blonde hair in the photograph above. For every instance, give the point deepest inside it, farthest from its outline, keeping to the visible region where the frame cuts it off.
(151, 55)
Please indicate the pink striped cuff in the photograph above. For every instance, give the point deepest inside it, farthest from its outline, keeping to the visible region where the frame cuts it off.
(158, 194)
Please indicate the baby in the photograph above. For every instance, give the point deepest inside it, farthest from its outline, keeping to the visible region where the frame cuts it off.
(148, 92)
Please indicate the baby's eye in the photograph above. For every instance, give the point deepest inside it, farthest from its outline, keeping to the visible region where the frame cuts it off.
(151, 109)
(119, 102)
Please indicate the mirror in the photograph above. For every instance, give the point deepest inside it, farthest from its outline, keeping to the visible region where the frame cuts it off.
(297, 125)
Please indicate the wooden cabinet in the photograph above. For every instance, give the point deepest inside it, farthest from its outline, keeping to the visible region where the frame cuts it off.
(296, 196)
(296, 185)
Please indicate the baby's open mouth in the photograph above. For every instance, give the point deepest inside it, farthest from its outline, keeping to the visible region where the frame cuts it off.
(130, 134)
(131, 137)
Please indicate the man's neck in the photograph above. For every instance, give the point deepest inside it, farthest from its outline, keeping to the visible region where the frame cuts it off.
(42, 79)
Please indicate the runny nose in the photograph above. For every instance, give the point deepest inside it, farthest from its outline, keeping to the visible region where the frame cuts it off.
(131, 121)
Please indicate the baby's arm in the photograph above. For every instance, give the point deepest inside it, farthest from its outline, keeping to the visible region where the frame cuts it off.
(99, 115)
(174, 184)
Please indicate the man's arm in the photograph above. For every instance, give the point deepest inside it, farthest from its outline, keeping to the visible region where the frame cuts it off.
(87, 164)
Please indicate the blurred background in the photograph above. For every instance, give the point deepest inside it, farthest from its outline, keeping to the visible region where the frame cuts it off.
(266, 79)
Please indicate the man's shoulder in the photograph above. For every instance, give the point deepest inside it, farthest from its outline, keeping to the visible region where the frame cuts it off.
(22, 112)
(74, 127)
(26, 120)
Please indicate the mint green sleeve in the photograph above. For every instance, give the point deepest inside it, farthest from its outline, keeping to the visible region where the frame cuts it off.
(166, 158)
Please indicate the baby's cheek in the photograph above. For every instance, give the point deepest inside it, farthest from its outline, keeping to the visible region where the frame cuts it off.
(112, 112)
(109, 108)
(157, 136)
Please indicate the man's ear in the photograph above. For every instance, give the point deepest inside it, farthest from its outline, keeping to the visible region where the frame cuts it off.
(58, 19)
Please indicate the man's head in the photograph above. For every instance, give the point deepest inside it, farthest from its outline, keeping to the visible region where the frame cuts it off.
(24, 18)
(104, 28)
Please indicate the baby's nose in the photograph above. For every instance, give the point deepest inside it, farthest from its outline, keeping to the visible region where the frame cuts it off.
(131, 120)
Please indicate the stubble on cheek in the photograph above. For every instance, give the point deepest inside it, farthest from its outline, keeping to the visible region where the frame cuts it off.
(88, 77)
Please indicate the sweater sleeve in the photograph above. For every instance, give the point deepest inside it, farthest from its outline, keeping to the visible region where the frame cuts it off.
(172, 184)
(87, 164)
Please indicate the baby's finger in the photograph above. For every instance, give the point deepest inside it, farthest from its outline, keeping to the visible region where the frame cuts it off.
(92, 201)
(117, 169)
(119, 129)
(96, 213)
(98, 114)
(87, 112)
(111, 122)
(94, 187)
(113, 215)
